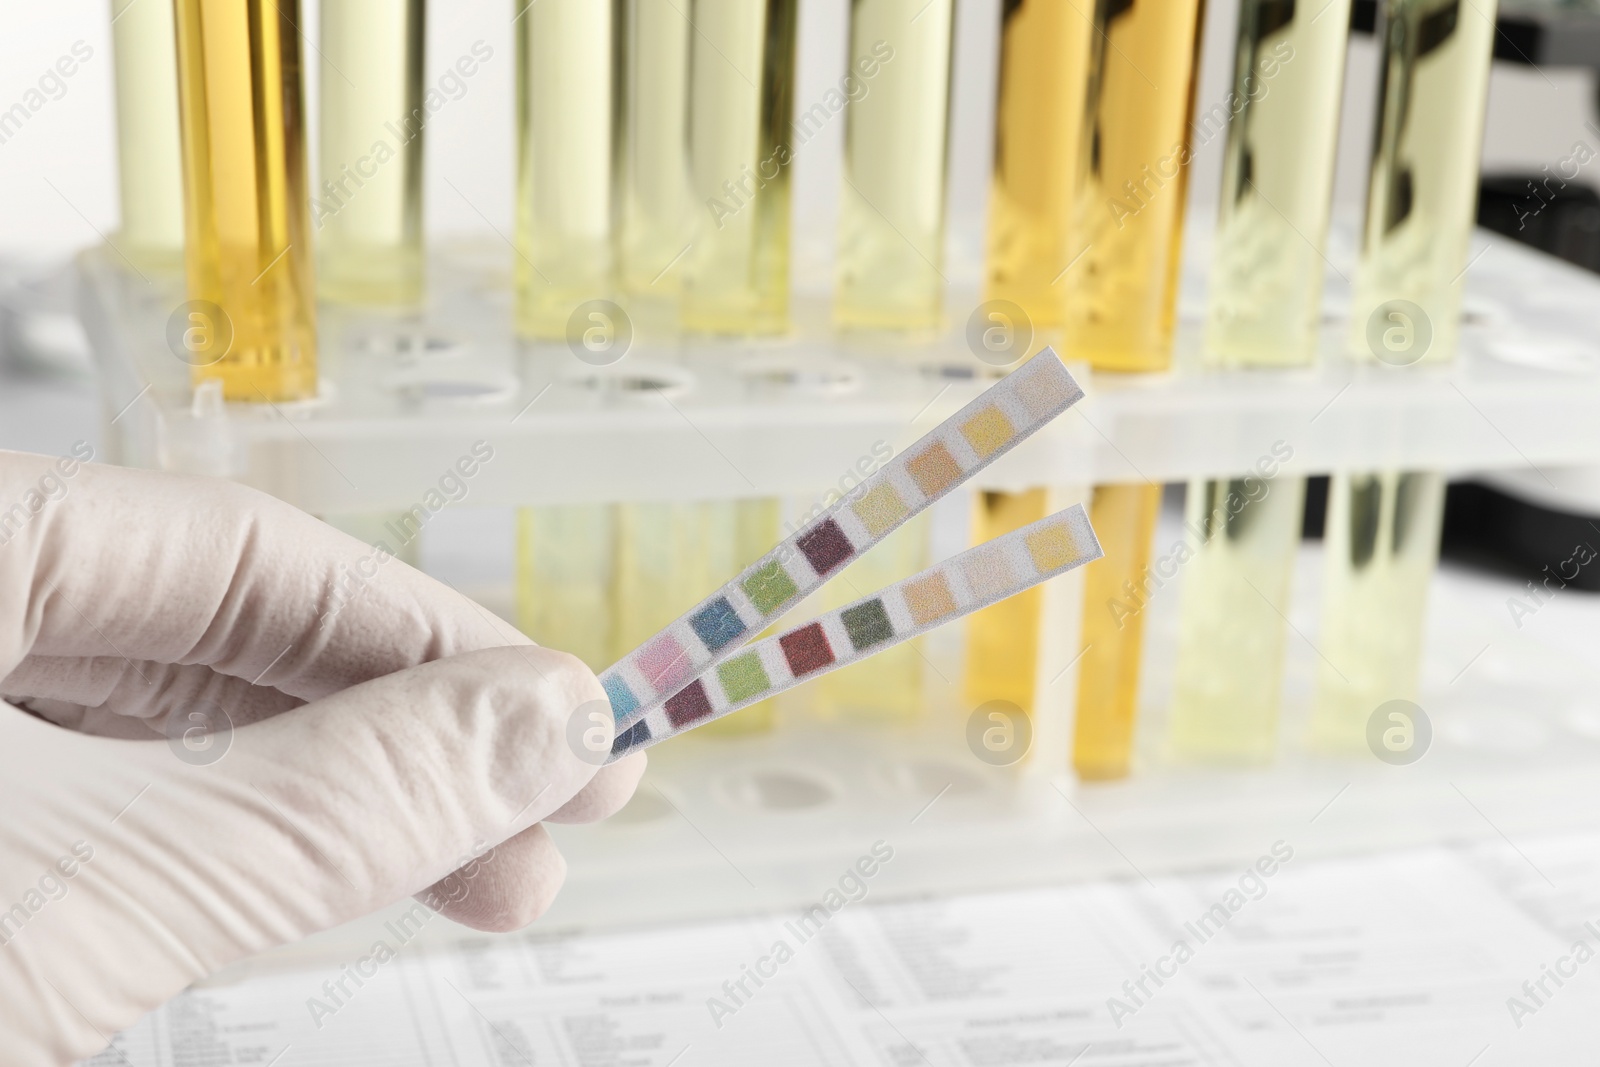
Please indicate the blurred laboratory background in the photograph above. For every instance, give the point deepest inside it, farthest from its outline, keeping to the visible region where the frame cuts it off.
(692, 269)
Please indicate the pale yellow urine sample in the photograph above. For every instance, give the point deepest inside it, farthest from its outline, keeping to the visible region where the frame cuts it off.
(741, 100)
(1003, 639)
(1044, 55)
(1129, 192)
(149, 156)
(662, 555)
(1382, 543)
(566, 570)
(1423, 185)
(1232, 630)
(367, 211)
(892, 202)
(670, 556)
(889, 685)
(1383, 529)
(1124, 517)
(368, 207)
(654, 207)
(1265, 310)
(248, 242)
(1265, 293)
(564, 160)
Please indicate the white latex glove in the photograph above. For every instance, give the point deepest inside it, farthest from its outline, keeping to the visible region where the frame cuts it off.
(373, 749)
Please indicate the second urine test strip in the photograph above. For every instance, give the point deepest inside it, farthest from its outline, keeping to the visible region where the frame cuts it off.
(992, 424)
(965, 583)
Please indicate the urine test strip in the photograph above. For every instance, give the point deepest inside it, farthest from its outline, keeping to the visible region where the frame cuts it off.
(962, 584)
(996, 421)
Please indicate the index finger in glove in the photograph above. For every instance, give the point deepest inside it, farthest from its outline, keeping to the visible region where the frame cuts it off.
(145, 566)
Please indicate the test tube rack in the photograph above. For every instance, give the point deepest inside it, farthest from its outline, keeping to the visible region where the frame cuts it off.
(403, 397)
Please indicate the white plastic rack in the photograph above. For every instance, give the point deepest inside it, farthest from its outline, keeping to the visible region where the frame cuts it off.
(718, 420)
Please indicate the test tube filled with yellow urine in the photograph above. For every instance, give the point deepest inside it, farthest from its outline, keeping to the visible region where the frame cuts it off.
(1264, 306)
(734, 271)
(1115, 594)
(248, 242)
(1382, 535)
(565, 135)
(653, 170)
(368, 208)
(889, 276)
(566, 571)
(1003, 639)
(1044, 55)
(1233, 618)
(566, 125)
(149, 156)
(661, 563)
(1264, 310)
(892, 204)
(1133, 158)
(1422, 186)
(741, 100)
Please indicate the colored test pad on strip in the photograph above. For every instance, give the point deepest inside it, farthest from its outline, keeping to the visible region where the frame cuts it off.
(996, 421)
(962, 584)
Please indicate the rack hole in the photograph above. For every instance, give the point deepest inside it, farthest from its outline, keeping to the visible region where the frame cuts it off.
(779, 790)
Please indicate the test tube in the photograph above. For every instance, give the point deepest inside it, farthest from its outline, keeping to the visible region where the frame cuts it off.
(1383, 528)
(247, 238)
(1127, 231)
(566, 567)
(1003, 639)
(1114, 593)
(655, 222)
(149, 156)
(741, 100)
(1044, 55)
(892, 204)
(565, 130)
(661, 567)
(1264, 311)
(1232, 628)
(568, 557)
(1423, 182)
(1132, 172)
(1044, 52)
(735, 274)
(368, 209)
(1265, 299)
(1381, 544)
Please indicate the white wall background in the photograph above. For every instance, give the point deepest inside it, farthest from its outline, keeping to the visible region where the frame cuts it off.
(1535, 116)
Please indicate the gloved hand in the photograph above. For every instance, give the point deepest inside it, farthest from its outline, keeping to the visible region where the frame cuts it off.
(384, 729)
